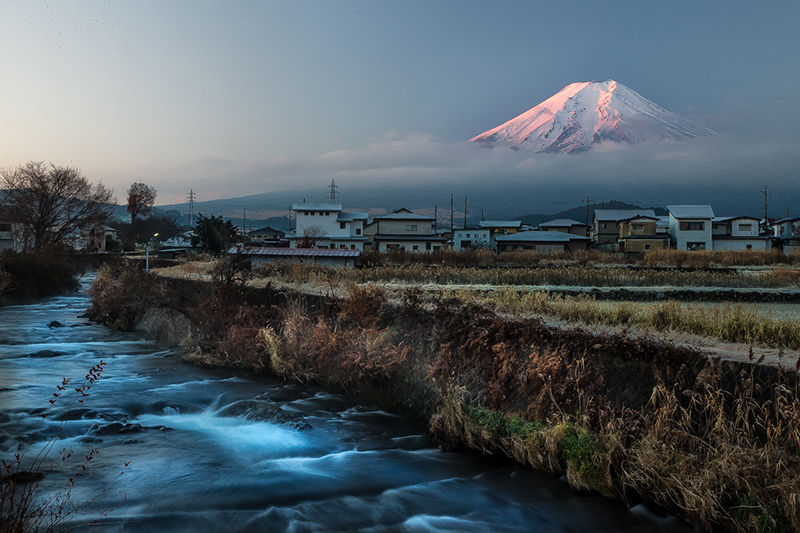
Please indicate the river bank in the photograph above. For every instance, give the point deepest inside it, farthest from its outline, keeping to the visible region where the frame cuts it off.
(636, 418)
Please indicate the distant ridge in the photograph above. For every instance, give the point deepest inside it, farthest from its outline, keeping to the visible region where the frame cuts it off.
(586, 114)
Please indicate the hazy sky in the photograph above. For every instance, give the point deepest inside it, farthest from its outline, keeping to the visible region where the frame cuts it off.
(237, 98)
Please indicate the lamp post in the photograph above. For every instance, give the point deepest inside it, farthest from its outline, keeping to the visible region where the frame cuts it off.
(147, 253)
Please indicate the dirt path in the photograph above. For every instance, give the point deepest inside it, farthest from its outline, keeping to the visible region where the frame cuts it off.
(712, 347)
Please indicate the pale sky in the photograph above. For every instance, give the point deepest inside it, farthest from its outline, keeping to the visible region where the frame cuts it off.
(237, 98)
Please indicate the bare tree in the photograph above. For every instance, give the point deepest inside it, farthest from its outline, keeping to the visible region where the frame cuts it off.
(53, 205)
(141, 198)
(311, 237)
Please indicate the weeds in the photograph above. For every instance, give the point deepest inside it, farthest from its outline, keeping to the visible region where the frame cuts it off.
(25, 504)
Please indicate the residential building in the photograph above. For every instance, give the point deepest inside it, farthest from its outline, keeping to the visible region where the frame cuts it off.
(320, 225)
(690, 227)
(101, 238)
(605, 225)
(739, 233)
(541, 241)
(8, 240)
(565, 225)
(403, 230)
(640, 234)
(268, 237)
(787, 233)
(472, 238)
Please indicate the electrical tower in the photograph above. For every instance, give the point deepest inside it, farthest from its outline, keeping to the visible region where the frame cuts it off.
(333, 191)
(191, 207)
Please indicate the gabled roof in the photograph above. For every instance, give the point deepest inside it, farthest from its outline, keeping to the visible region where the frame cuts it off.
(727, 219)
(639, 217)
(560, 223)
(785, 220)
(691, 211)
(540, 236)
(266, 230)
(500, 224)
(614, 215)
(401, 216)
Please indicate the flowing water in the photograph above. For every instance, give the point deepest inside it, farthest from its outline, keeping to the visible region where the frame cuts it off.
(222, 451)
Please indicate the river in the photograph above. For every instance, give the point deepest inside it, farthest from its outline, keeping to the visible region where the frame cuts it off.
(217, 450)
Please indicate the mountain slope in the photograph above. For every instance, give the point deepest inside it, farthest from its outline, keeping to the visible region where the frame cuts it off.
(585, 114)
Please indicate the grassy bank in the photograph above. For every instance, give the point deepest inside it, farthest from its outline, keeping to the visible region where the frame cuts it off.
(639, 419)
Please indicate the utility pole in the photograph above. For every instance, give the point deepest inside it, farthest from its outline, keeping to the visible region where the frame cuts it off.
(587, 212)
(451, 215)
(765, 205)
(244, 224)
(191, 207)
(465, 212)
(436, 218)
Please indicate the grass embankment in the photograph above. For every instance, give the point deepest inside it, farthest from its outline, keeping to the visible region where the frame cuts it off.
(639, 419)
(26, 277)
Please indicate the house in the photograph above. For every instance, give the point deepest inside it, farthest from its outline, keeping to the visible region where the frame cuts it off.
(787, 233)
(605, 228)
(565, 225)
(640, 234)
(267, 237)
(309, 256)
(322, 225)
(8, 240)
(739, 233)
(541, 241)
(690, 227)
(501, 227)
(472, 238)
(101, 238)
(403, 230)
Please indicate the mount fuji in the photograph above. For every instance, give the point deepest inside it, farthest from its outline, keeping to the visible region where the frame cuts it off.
(583, 115)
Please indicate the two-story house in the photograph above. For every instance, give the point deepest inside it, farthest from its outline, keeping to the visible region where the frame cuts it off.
(320, 225)
(605, 225)
(267, 237)
(739, 233)
(787, 231)
(565, 225)
(403, 230)
(690, 227)
(541, 241)
(640, 234)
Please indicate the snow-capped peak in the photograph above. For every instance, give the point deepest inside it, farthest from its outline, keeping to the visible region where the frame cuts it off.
(585, 114)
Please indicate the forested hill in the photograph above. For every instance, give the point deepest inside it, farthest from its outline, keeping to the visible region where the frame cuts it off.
(579, 213)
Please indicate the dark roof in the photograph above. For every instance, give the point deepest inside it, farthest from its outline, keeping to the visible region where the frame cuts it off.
(540, 236)
(266, 230)
(613, 215)
(295, 252)
(401, 237)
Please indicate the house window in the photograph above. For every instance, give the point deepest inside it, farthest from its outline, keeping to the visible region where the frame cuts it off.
(5, 227)
(332, 246)
(694, 246)
(343, 247)
(327, 213)
(646, 247)
(749, 246)
(411, 227)
(746, 227)
(342, 225)
(637, 227)
(428, 246)
(693, 226)
(358, 231)
(306, 213)
(415, 248)
(603, 225)
(352, 246)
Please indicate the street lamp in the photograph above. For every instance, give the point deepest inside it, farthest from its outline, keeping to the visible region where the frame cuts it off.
(147, 253)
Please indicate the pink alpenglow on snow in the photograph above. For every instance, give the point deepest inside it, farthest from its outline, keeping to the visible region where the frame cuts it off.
(587, 114)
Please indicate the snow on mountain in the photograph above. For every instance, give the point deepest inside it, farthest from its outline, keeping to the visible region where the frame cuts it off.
(585, 114)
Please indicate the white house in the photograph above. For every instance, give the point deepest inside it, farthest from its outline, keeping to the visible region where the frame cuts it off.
(690, 226)
(739, 233)
(472, 238)
(321, 225)
(788, 230)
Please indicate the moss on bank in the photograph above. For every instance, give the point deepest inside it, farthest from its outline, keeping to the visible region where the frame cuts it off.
(636, 418)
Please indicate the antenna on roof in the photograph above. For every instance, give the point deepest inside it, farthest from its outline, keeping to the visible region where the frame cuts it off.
(333, 191)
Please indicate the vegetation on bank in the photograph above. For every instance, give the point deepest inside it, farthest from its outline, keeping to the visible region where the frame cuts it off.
(639, 419)
(26, 277)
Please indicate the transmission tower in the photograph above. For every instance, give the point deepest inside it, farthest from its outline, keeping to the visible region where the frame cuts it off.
(333, 191)
(191, 207)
